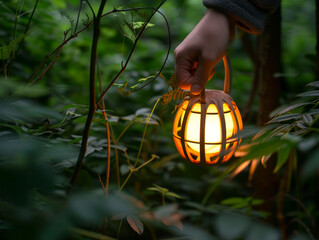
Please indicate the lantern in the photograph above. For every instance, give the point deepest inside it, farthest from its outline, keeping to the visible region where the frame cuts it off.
(206, 126)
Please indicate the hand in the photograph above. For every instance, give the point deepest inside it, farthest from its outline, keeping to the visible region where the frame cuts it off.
(197, 55)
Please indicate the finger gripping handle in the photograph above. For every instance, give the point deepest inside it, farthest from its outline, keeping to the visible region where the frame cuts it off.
(227, 79)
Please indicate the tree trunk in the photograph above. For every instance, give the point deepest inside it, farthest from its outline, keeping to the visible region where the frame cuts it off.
(269, 54)
(265, 183)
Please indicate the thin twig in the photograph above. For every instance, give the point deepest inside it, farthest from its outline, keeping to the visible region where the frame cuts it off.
(28, 25)
(51, 64)
(144, 132)
(78, 17)
(91, 9)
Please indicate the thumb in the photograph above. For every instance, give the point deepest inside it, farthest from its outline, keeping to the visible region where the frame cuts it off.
(201, 76)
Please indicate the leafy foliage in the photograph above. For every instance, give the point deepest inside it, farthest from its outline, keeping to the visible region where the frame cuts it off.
(151, 193)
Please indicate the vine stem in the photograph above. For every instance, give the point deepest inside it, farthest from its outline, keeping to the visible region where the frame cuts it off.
(93, 105)
(142, 142)
(134, 169)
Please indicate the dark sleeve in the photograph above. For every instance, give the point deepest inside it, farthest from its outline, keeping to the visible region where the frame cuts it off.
(249, 15)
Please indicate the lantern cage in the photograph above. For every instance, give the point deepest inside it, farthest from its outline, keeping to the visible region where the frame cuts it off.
(207, 126)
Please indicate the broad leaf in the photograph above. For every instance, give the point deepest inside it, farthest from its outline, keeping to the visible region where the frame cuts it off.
(307, 119)
(283, 155)
(313, 84)
(135, 224)
(6, 50)
(309, 94)
(286, 117)
(287, 109)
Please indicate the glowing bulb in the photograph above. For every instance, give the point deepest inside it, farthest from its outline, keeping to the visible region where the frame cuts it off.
(212, 128)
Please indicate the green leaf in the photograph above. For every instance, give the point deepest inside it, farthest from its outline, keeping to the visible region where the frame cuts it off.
(301, 125)
(135, 224)
(145, 79)
(307, 119)
(6, 50)
(125, 27)
(158, 188)
(33, 91)
(283, 155)
(287, 109)
(309, 94)
(257, 202)
(313, 84)
(138, 25)
(172, 194)
(286, 117)
(232, 201)
(263, 149)
(15, 128)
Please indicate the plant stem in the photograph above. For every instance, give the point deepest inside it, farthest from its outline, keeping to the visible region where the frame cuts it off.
(93, 105)
(163, 198)
(147, 121)
(107, 181)
(125, 129)
(78, 17)
(126, 180)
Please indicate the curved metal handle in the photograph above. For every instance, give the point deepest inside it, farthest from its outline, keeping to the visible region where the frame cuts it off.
(227, 79)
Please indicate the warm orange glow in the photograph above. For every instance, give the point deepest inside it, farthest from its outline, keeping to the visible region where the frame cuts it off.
(213, 131)
(212, 128)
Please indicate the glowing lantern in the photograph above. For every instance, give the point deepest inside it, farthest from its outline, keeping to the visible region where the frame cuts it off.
(206, 126)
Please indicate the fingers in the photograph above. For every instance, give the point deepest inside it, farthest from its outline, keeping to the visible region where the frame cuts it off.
(184, 70)
(192, 74)
(202, 74)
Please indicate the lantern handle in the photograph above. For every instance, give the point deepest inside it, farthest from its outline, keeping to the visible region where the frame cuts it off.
(227, 79)
(228, 73)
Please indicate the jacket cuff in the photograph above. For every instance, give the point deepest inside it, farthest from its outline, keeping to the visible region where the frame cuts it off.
(246, 15)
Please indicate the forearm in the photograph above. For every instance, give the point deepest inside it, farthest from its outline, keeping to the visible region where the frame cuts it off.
(248, 15)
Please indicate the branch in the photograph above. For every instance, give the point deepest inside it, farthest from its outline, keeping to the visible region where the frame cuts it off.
(51, 64)
(93, 107)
